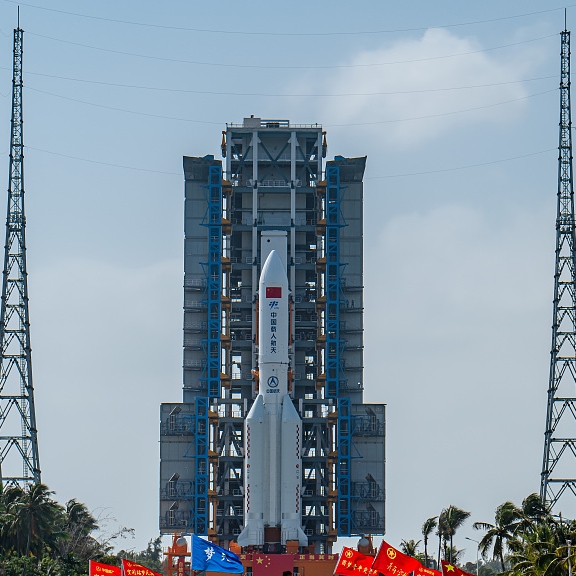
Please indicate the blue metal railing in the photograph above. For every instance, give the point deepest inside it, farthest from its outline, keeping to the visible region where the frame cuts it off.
(212, 346)
(345, 520)
(199, 498)
(213, 292)
(335, 347)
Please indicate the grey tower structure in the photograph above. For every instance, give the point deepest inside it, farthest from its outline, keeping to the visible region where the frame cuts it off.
(274, 191)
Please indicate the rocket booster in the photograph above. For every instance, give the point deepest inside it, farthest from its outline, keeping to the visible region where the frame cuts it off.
(273, 428)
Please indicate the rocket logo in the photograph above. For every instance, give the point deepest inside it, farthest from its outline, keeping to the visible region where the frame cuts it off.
(273, 291)
(273, 381)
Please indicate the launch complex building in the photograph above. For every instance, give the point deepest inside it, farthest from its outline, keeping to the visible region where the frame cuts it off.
(273, 191)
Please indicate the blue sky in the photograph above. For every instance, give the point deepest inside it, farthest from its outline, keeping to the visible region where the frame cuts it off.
(456, 106)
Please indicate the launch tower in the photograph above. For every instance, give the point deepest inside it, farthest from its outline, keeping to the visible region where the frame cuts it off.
(274, 192)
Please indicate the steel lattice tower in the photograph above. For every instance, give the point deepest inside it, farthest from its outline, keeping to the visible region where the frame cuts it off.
(19, 461)
(559, 462)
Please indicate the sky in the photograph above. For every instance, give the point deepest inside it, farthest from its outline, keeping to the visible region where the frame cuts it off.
(456, 106)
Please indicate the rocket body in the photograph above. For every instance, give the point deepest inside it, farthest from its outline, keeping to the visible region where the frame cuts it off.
(273, 428)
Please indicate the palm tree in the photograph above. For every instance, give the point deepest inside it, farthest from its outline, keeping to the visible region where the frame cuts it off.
(541, 550)
(450, 520)
(34, 518)
(534, 511)
(427, 529)
(454, 554)
(77, 525)
(9, 495)
(506, 522)
(441, 536)
(409, 547)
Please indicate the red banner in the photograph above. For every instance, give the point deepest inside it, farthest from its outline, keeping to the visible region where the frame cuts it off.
(98, 569)
(266, 564)
(353, 563)
(392, 562)
(421, 571)
(451, 570)
(301, 557)
(133, 569)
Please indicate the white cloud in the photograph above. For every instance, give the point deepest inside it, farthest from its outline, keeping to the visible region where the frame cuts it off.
(422, 69)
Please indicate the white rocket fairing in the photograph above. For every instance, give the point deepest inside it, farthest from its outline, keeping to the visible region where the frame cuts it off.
(273, 428)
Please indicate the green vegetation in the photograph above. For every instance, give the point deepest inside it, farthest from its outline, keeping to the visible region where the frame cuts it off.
(40, 537)
(427, 529)
(449, 521)
(522, 541)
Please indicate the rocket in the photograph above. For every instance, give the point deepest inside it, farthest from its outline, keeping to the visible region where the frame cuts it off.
(273, 427)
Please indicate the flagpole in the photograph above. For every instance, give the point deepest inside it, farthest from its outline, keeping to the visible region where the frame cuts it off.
(340, 558)
(192, 572)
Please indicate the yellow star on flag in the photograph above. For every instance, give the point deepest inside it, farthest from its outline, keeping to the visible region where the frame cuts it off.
(259, 560)
(449, 567)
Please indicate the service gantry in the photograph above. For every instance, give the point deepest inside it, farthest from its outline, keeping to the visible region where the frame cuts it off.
(274, 183)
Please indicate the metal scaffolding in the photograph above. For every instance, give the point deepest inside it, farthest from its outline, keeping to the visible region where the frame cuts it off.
(558, 470)
(19, 460)
(272, 184)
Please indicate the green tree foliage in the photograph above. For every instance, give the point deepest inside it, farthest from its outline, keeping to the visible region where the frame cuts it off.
(449, 521)
(537, 543)
(38, 536)
(427, 529)
(410, 547)
(506, 522)
(151, 557)
(524, 540)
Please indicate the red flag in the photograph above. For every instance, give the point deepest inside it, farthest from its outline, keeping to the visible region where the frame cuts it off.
(98, 569)
(133, 569)
(392, 562)
(352, 563)
(422, 571)
(266, 564)
(273, 291)
(451, 570)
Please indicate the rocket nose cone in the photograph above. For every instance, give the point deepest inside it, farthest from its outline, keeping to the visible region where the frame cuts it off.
(273, 267)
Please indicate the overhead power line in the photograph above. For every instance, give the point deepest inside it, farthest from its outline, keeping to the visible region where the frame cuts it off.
(275, 33)
(92, 161)
(280, 67)
(279, 95)
(452, 169)
(124, 110)
(442, 113)
(195, 121)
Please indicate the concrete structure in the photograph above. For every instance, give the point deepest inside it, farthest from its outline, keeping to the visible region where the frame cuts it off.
(275, 194)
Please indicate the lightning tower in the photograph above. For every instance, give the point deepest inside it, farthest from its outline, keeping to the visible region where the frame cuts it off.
(19, 461)
(558, 465)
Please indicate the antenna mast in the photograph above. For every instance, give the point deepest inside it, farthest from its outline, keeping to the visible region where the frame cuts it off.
(558, 466)
(19, 460)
